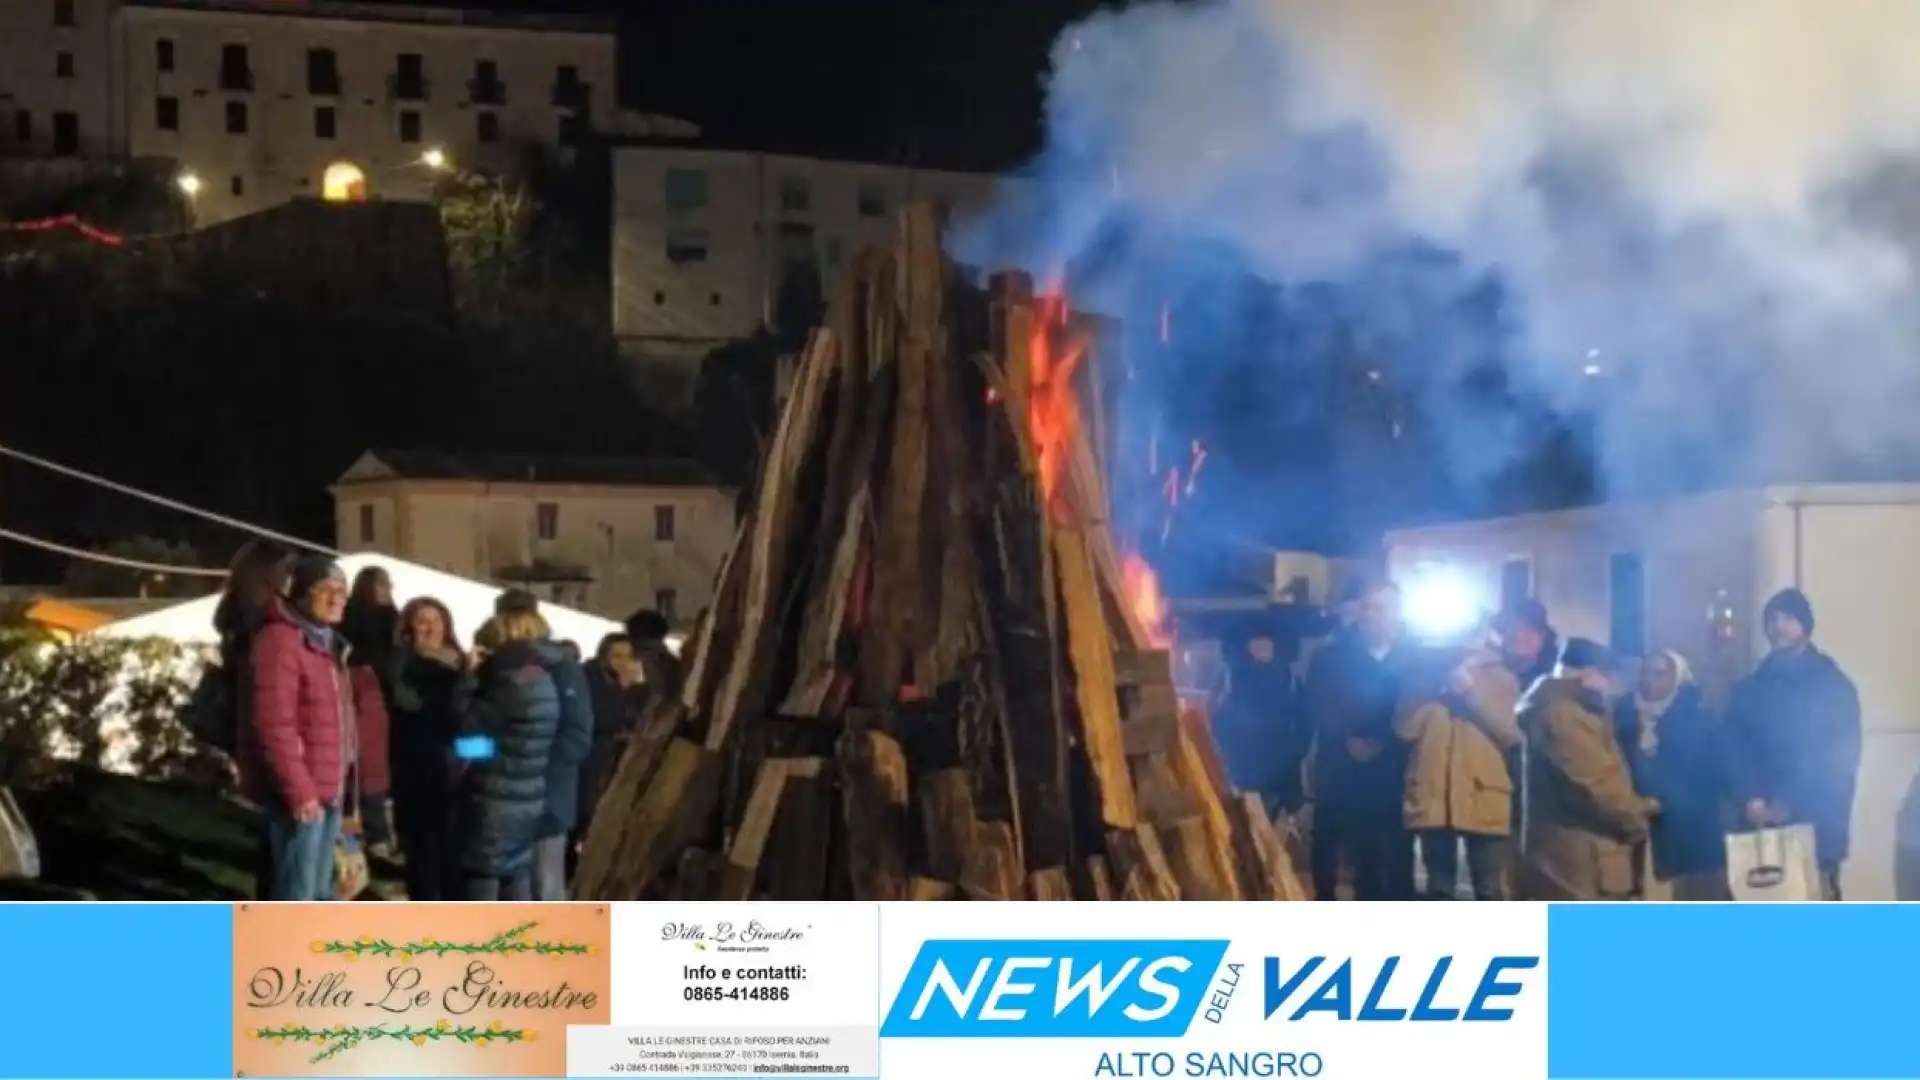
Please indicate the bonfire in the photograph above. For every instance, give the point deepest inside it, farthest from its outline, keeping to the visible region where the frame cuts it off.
(930, 672)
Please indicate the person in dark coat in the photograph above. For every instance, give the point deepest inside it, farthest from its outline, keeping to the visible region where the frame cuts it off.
(566, 768)
(1676, 753)
(1262, 734)
(1795, 724)
(660, 669)
(371, 627)
(516, 705)
(613, 676)
(1352, 692)
(256, 579)
(430, 690)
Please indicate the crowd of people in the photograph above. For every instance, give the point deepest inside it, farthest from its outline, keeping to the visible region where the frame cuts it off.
(476, 768)
(1512, 764)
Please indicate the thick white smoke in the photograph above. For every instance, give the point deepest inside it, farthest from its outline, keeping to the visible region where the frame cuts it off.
(1709, 195)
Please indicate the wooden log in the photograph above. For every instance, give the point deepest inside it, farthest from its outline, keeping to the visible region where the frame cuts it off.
(638, 761)
(993, 873)
(1090, 649)
(1140, 867)
(1197, 740)
(676, 803)
(1190, 855)
(1099, 878)
(794, 866)
(1162, 796)
(1268, 869)
(756, 825)
(697, 876)
(779, 517)
(714, 637)
(926, 888)
(945, 798)
(873, 773)
(1210, 790)
(1049, 884)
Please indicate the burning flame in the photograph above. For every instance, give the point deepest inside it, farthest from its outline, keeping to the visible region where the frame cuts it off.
(1053, 410)
(1147, 602)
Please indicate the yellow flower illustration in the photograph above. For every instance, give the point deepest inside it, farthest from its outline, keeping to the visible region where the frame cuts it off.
(441, 1025)
(481, 1041)
(527, 1035)
(351, 957)
(406, 956)
(339, 1027)
(319, 946)
(419, 1040)
(495, 1027)
(364, 941)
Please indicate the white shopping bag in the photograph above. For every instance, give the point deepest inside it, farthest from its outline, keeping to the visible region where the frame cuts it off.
(1774, 865)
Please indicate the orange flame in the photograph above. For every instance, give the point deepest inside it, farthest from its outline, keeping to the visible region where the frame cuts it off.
(1053, 410)
(1147, 602)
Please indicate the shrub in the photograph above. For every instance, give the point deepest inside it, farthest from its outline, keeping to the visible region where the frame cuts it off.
(102, 703)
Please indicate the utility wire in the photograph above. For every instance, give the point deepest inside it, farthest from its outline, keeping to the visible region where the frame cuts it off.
(161, 500)
(110, 560)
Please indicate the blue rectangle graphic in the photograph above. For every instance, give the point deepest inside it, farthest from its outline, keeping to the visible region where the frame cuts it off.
(141, 991)
(1724, 991)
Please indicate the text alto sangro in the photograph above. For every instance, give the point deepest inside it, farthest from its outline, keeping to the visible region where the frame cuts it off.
(1027, 989)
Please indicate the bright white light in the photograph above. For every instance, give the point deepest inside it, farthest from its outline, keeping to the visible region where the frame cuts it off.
(1591, 371)
(1441, 605)
(434, 159)
(189, 183)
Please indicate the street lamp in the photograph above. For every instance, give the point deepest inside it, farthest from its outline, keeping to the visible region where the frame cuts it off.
(435, 159)
(189, 184)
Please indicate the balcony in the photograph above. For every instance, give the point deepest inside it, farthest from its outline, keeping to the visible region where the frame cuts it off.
(572, 95)
(236, 80)
(403, 87)
(487, 91)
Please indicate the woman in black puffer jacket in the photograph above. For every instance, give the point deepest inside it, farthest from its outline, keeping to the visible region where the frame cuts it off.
(503, 797)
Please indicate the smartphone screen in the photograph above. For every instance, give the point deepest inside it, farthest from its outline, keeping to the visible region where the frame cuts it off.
(473, 747)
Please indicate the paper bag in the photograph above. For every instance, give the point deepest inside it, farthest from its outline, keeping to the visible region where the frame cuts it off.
(1774, 865)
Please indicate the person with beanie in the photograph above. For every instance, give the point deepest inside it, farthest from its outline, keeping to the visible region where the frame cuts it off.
(1795, 726)
(1585, 822)
(299, 746)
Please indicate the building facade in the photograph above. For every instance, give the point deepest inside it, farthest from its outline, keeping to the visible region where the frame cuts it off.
(605, 536)
(261, 101)
(704, 240)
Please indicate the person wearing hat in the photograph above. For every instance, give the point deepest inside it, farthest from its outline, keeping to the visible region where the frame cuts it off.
(1795, 725)
(1584, 819)
(301, 742)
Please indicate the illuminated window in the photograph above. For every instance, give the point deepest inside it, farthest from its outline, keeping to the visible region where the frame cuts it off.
(343, 182)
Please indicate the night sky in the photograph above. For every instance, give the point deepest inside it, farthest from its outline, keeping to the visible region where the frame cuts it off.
(953, 83)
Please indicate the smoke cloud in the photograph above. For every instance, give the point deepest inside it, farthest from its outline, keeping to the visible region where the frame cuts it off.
(1709, 201)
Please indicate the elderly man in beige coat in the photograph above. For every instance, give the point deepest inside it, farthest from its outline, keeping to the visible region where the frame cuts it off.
(1459, 793)
(1584, 817)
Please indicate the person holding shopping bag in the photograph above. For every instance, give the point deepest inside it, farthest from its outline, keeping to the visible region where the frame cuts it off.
(1795, 724)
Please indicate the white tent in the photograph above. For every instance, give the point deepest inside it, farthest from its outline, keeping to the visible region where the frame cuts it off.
(191, 623)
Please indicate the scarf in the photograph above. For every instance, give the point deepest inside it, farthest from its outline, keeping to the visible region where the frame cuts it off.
(1648, 713)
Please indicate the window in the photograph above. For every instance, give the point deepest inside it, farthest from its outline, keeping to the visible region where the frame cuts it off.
(663, 523)
(409, 127)
(686, 245)
(236, 70)
(325, 124)
(23, 126)
(796, 195)
(237, 187)
(871, 200)
(366, 523)
(66, 134)
(163, 54)
(63, 65)
(486, 127)
(486, 88)
(323, 72)
(1627, 603)
(63, 12)
(1516, 582)
(664, 601)
(659, 299)
(546, 520)
(410, 77)
(713, 299)
(686, 189)
(166, 113)
(568, 91)
(236, 118)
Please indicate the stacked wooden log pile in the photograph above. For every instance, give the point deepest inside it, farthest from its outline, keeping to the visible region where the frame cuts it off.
(921, 676)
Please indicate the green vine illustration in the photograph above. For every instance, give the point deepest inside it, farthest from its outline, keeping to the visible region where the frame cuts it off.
(340, 1038)
(507, 943)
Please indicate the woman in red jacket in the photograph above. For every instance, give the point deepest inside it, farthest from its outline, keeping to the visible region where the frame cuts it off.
(303, 735)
